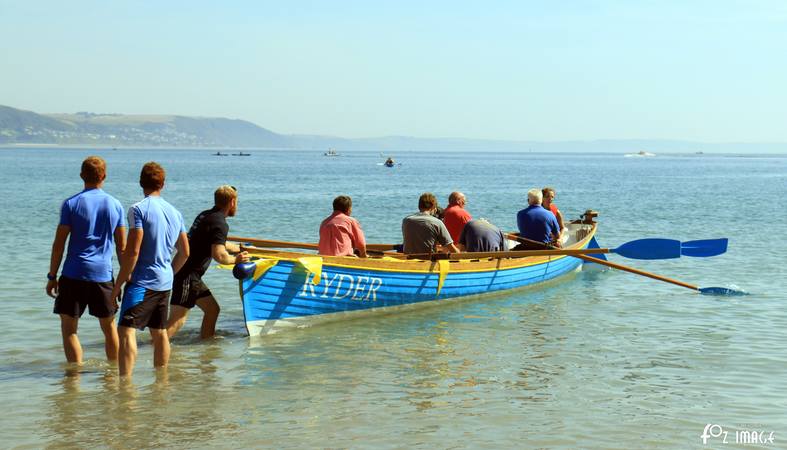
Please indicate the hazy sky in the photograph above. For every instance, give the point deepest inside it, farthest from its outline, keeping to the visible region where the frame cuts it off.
(711, 71)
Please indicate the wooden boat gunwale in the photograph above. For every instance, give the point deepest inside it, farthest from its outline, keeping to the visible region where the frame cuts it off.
(424, 266)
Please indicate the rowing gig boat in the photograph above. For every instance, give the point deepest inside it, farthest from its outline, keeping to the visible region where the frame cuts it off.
(284, 289)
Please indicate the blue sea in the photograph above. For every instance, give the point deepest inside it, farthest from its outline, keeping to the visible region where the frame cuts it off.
(602, 359)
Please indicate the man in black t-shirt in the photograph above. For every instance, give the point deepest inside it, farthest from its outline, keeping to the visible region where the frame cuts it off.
(207, 240)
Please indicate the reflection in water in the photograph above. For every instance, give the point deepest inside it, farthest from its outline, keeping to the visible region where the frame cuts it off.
(180, 405)
(79, 416)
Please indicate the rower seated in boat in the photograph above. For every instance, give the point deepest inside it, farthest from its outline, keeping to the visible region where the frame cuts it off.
(549, 195)
(422, 232)
(479, 235)
(537, 224)
(340, 234)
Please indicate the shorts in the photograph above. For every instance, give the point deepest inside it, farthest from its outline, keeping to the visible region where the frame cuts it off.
(73, 296)
(143, 307)
(186, 290)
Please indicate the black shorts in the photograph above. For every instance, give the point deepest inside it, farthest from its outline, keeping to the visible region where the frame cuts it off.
(143, 308)
(186, 290)
(73, 296)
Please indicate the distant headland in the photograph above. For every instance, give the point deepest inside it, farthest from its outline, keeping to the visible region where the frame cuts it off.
(26, 128)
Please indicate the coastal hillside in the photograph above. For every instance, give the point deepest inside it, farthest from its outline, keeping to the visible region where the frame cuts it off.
(84, 128)
(19, 127)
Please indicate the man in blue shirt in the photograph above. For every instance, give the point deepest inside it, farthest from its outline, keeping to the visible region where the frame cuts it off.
(536, 223)
(92, 221)
(146, 268)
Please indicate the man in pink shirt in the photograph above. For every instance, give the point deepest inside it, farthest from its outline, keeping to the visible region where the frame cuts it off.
(455, 215)
(340, 234)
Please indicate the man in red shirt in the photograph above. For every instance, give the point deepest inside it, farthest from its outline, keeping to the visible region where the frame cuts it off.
(340, 234)
(455, 215)
(549, 195)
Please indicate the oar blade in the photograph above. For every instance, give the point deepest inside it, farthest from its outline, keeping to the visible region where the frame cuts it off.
(722, 291)
(704, 248)
(652, 248)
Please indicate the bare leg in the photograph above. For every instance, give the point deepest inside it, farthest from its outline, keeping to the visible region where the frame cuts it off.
(211, 308)
(177, 318)
(71, 346)
(128, 350)
(111, 343)
(160, 347)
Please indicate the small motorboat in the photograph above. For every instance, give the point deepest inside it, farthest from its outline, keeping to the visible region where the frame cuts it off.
(641, 153)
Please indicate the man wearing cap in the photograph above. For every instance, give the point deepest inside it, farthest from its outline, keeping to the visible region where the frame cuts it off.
(207, 240)
(93, 223)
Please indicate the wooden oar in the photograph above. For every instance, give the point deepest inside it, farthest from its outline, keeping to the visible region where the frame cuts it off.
(652, 248)
(306, 245)
(272, 243)
(708, 290)
(507, 254)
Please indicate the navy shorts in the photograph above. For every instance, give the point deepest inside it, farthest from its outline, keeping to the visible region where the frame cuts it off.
(143, 307)
(73, 296)
(187, 289)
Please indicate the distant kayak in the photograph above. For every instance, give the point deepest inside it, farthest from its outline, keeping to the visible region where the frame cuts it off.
(241, 154)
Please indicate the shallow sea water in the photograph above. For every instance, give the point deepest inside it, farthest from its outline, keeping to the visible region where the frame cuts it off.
(598, 360)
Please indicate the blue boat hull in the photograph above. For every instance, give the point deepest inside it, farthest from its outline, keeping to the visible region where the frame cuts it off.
(287, 293)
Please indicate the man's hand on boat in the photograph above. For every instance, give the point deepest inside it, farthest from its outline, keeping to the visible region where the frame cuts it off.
(241, 255)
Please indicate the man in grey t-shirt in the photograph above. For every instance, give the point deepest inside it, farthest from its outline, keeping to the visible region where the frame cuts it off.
(422, 231)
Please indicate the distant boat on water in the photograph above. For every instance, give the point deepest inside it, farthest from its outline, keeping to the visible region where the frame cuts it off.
(641, 153)
(330, 152)
(241, 154)
(221, 154)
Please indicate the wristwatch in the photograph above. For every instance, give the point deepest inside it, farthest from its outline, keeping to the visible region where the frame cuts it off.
(51, 277)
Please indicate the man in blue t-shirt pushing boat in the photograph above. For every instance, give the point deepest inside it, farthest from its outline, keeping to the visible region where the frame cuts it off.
(92, 221)
(155, 230)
